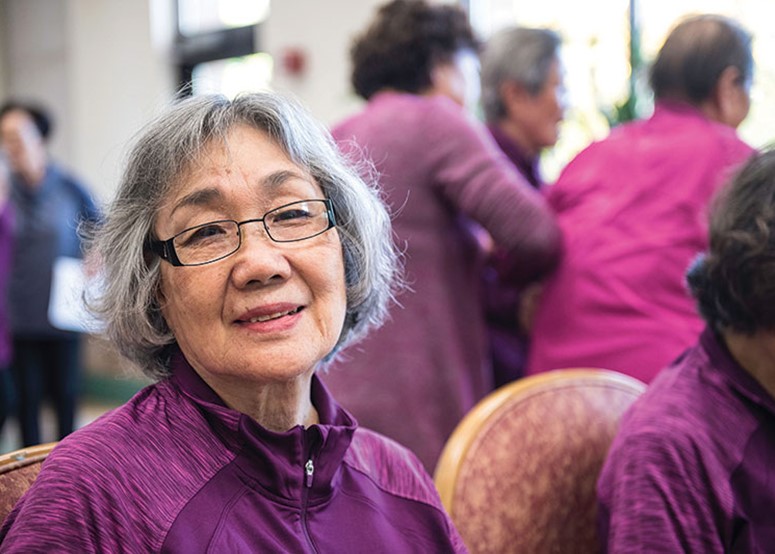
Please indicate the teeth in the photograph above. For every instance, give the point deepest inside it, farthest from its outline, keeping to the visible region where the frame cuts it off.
(272, 316)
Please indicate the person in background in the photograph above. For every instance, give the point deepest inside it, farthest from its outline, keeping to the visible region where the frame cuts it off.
(7, 395)
(445, 179)
(49, 205)
(523, 97)
(633, 211)
(523, 94)
(240, 254)
(690, 469)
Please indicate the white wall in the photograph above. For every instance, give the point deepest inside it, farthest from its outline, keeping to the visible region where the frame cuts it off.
(118, 79)
(104, 68)
(36, 60)
(324, 31)
(92, 64)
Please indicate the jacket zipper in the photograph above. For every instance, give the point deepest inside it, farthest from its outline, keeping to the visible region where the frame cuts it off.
(309, 474)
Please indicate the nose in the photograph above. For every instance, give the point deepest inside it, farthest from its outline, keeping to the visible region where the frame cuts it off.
(259, 259)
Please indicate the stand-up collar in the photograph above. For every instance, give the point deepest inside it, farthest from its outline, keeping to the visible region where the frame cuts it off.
(278, 461)
(737, 377)
(526, 165)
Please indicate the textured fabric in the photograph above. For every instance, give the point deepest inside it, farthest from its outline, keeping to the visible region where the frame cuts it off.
(12, 490)
(633, 210)
(508, 341)
(691, 469)
(526, 481)
(414, 378)
(527, 166)
(174, 470)
(47, 220)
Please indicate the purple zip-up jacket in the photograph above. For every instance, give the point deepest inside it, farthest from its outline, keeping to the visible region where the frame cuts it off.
(175, 470)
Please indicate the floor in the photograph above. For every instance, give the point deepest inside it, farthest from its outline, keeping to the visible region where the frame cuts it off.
(88, 411)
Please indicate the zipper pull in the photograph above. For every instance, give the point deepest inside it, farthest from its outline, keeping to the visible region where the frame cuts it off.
(309, 470)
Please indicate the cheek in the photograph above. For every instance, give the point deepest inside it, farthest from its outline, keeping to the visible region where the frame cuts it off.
(332, 280)
(179, 303)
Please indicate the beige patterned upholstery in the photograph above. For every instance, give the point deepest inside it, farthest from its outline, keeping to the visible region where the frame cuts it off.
(518, 474)
(18, 470)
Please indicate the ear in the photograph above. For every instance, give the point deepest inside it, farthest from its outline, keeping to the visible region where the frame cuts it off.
(441, 79)
(728, 95)
(513, 96)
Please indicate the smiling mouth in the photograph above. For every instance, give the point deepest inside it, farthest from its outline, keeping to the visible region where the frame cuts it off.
(269, 317)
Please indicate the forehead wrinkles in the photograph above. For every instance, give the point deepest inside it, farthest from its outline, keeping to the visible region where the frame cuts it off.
(210, 157)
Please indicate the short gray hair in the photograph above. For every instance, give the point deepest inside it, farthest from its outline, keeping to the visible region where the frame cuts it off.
(516, 54)
(128, 304)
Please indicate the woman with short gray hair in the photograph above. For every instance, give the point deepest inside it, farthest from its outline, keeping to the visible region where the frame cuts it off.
(523, 94)
(240, 253)
(523, 97)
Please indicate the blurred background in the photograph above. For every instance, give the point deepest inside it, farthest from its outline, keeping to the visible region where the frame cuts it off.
(104, 67)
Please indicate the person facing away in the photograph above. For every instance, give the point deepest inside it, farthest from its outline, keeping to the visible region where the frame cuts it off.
(445, 179)
(240, 254)
(690, 469)
(523, 98)
(49, 205)
(632, 208)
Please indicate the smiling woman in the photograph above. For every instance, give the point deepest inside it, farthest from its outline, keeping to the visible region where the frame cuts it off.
(240, 254)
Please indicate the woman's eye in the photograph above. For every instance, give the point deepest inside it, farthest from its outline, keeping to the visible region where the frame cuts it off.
(291, 215)
(204, 233)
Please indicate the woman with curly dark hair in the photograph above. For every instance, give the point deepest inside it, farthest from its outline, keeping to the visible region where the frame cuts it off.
(691, 468)
(445, 179)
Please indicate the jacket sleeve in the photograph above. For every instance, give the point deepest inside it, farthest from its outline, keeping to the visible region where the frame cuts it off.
(654, 496)
(68, 509)
(476, 177)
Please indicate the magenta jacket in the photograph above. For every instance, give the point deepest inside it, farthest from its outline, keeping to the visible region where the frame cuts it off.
(174, 470)
(634, 213)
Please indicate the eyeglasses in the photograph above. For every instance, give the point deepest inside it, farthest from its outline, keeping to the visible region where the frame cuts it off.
(216, 240)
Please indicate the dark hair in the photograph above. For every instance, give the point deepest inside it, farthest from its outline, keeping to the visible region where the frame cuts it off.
(734, 282)
(40, 116)
(403, 44)
(695, 54)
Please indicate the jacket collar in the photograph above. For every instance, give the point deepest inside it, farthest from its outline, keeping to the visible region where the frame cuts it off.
(527, 166)
(276, 461)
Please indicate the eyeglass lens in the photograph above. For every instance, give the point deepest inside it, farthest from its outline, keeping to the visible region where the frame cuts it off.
(215, 240)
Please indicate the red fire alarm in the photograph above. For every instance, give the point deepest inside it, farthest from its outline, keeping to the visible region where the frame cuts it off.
(294, 61)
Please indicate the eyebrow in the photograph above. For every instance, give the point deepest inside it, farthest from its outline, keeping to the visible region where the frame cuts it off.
(209, 195)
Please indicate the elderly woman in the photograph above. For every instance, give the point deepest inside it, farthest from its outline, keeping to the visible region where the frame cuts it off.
(692, 467)
(523, 94)
(523, 97)
(239, 255)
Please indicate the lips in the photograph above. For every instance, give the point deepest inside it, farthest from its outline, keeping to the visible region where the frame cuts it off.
(271, 312)
(262, 318)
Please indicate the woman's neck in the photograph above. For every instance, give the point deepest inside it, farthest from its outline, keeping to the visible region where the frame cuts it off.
(277, 406)
(756, 354)
(515, 133)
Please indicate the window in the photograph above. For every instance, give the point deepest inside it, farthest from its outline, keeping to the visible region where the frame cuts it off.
(605, 79)
(217, 46)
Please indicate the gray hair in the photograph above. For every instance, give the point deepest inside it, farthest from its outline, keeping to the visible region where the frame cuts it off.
(516, 54)
(128, 304)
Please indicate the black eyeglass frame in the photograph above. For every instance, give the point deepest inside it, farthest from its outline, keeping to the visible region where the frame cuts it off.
(165, 249)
